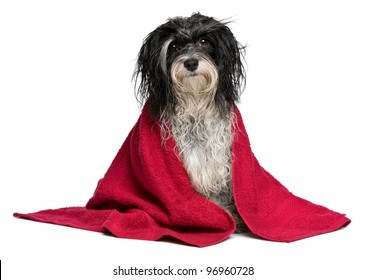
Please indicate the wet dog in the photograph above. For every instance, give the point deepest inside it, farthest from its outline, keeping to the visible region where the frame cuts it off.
(190, 74)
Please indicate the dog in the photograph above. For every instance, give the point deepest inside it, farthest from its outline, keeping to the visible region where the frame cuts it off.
(190, 73)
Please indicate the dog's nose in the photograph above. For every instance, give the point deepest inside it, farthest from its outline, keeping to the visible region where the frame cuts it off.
(191, 64)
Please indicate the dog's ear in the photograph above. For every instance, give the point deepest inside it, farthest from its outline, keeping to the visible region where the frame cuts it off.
(229, 57)
(151, 80)
(144, 68)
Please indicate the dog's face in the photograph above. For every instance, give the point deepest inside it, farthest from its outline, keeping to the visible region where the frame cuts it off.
(197, 55)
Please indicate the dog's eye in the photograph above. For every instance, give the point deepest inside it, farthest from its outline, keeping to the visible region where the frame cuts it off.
(203, 42)
(174, 46)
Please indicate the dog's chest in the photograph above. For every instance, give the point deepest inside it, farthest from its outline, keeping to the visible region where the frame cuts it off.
(205, 149)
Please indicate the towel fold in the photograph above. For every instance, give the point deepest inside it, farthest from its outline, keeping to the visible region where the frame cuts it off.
(146, 194)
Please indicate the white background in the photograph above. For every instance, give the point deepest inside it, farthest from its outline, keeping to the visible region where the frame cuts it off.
(67, 105)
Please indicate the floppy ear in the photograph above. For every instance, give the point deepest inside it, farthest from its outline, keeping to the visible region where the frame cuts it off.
(152, 81)
(229, 57)
(144, 69)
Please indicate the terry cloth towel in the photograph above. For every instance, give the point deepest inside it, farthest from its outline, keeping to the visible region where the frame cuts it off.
(146, 194)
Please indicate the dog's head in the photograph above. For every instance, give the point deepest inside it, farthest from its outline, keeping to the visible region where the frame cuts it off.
(195, 55)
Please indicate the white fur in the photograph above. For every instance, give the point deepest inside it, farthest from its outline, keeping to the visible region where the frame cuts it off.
(205, 148)
(203, 136)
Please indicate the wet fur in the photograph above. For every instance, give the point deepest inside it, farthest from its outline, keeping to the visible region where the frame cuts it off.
(190, 70)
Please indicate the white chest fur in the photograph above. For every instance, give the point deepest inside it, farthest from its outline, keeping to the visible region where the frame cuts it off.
(205, 149)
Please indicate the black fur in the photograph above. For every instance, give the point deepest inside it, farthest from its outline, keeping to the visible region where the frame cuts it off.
(152, 74)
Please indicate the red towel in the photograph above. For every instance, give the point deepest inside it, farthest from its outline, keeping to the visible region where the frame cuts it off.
(146, 194)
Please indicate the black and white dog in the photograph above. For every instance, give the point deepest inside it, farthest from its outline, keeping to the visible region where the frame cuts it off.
(191, 71)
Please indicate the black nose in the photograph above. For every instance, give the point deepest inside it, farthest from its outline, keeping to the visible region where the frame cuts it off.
(191, 64)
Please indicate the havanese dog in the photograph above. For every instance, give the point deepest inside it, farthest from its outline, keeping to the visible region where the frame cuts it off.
(191, 71)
